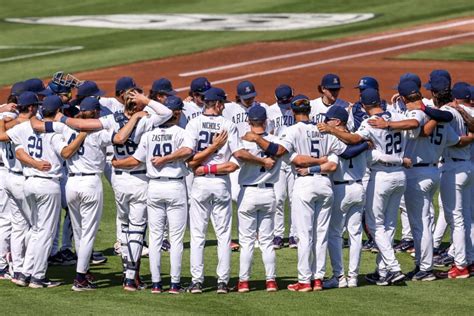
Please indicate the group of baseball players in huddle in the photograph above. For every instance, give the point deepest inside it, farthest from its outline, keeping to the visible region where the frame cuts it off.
(174, 163)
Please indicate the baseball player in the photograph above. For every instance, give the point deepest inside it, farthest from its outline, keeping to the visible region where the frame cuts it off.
(385, 188)
(41, 188)
(194, 103)
(210, 195)
(164, 150)
(280, 117)
(329, 88)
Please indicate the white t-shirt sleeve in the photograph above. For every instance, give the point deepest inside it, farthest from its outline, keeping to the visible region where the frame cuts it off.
(333, 158)
(233, 139)
(187, 140)
(452, 138)
(105, 138)
(58, 143)
(288, 142)
(364, 130)
(140, 153)
(15, 134)
(336, 146)
(107, 121)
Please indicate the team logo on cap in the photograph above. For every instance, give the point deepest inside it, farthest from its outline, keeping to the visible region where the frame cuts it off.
(248, 90)
(335, 81)
(362, 82)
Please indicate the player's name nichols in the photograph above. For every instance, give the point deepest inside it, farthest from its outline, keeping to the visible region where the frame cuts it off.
(210, 125)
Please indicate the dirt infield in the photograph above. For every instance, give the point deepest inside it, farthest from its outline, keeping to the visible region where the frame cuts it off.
(304, 63)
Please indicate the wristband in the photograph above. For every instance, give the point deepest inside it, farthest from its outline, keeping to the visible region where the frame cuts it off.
(314, 169)
(206, 169)
(48, 127)
(63, 119)
(213, 169)
(272, 149)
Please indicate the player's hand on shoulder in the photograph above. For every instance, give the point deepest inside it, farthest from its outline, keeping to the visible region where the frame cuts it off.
(42, 165)
(324, 128)
(395, 98)
(250, 137)
(378, 122)
(188, 99)
(140, 114)
(407, 163)
(220, 139)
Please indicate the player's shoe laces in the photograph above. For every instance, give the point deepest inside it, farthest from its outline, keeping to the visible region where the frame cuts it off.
(98, 258)
(156, 288)
(222, 288)
(243, 286)
(300, 287)
(372, 278)
(5, 274)
(335, 282)
(277, 242)
(129, 285)
(175, 288)
(43, 283)
(271, 286)
(404, 245)
(165, 245)
(352, 282)
(424, 276)
(234, 246)
(292, 242)
(317, 285)
(195, 288)
(81, 286)
(22, 280)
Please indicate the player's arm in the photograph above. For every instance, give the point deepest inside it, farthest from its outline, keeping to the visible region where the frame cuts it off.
(126, 163)
(182, 153)
(7, 107)
(326, 168)
(377, 156)
(428, 128)
(223, 168)
(346, 137)
(161, 110)
(468, 119)
(465, 140)
(247, 157)
(380, 123)
(124, 133)
(68, 151)
(437, 114)
(217, 143)
(270, 148)
(3, 133)
(303, 161)
(80, 124)
(27, 160)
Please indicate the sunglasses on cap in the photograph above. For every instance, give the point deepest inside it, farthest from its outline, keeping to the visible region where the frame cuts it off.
(300, 102)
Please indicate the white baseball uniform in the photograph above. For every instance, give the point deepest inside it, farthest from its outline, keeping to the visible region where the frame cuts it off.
(163, 202)
(455, 189)
(211, 197)
(5, 219)
(256, 208)
(312, 198)
(43, 193)
(384, 190)
(319, 109)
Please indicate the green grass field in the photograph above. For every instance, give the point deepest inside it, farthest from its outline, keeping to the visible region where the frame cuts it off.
(439, 297)
(463, 52)
(107, 47)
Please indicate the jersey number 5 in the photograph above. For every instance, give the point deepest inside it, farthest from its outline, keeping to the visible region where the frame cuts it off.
(314, 148)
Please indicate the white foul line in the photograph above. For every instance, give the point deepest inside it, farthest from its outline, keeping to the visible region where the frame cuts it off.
(330, 60)
(330, 47)
(51, 50)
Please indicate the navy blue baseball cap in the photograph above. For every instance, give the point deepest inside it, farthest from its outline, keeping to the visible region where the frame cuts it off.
(17, 88)
(300, 101)
(27, 98)
(370, 97)
(439, 83)
(471, 88)
(52, 103)
(34, 85)
(214, 94)
(284, 94)
(331, 81)
(163, 86)
(89, 104)
(246, 90)
(461, 90)
(257, 113)
(125, 83)
(337, 112)
(174, 103)
(89, 89)
(412, 77)
(408, 87)
(438, 73)
(367, 82)
(200, 85)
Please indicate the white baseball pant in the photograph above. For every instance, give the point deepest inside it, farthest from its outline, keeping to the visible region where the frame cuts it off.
(44, 200)
(210, 198)
(283, 189)
(166, 204)
(349, 200)
(67, 233)
(311, 204)
(470, 236)
(5, 221)
(422, 184)
(85, 202)
(406, 230)
(235, 186)
(441, 225)
(455, 193)
(256, 211)
(130, 199)
(384, 192)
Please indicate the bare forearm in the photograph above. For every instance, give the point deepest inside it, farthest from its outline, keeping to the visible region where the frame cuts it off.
(404, 125)
(428, 128)
(465, 140)
(25, 159)
(346, 137)
(84, 124)
(247, 157)
(302, 161)
(201, 156)
(180, 154)
(74, 146)
(127, 163)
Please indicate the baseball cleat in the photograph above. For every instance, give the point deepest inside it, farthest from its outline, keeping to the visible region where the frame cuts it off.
(317, 285)
(278, 243)
(424, 276)
(15, 277)
(43, 283)
(118, 248)
(396, 277)
(372, 278)
(292, 242)
(271, 286)
(98, 258)
(443, 260)
(471, 269)
(175, 288)
(300, 287)
(165, 245)
(156, 288)
(69, 257)
(243, 286)
(129, 285)
(5, 274)
(234, 246)
(458, 273)
(195, 288)
(412, 273)
(90, 277)
(368, 245)
(222, 288)
(404, 245)
(352, 282)
(22, 280)
(335, 282)
(139, 283)
(374, 249)
(56, 260)
(81, 286)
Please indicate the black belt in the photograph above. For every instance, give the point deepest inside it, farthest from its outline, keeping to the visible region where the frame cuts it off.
(312, 174)
(386, 164)
(41, 177)
(81, 174)
(424, 164)
(118, 172)
(20, 173)
(453, 159)
(266, 185)
(347, 182)
(167, 178)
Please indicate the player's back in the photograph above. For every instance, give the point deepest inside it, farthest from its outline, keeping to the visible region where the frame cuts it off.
(190, 111)
(319, 109)
(459, 126)
(279, 118)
